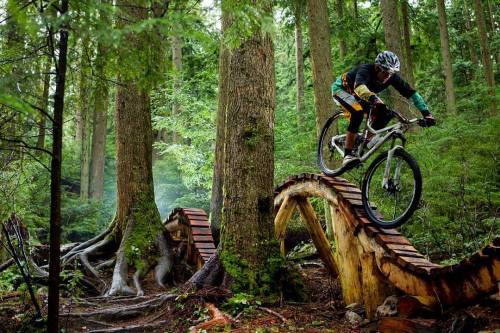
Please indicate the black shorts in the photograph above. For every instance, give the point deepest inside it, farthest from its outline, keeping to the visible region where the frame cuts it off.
(355, 109)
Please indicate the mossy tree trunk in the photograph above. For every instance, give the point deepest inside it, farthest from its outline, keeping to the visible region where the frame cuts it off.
(218, 174)
(137, 225)
(248, 248)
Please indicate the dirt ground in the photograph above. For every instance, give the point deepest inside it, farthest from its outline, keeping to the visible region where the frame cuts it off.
(186, 311)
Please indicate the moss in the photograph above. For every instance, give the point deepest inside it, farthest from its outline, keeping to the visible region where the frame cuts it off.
(267, 280)
(141, 243)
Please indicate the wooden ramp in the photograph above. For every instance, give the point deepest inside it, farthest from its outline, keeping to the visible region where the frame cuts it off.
(371, 261)
(190, 226)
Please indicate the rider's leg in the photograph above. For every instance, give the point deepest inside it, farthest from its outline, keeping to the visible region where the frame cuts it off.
(356, 118)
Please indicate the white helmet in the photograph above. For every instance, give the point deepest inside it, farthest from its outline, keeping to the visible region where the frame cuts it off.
(388, 61)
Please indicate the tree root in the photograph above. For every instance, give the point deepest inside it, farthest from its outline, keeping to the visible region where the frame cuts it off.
(6, 264)
(211, 274)
(119, 280)
(86, 244)
(133, 328)
(218, 319)
(124, 312)
(274, 313)
(165, 262)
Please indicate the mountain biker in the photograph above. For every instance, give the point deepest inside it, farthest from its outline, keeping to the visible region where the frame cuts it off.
(356, 92)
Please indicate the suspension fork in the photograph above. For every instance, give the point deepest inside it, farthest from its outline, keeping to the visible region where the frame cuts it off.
(397, 171)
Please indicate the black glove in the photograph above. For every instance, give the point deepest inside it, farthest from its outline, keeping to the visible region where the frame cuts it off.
(376, 102)
(428, 119)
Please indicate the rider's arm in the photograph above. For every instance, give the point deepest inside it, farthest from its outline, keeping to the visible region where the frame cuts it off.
(407, 91)
(361, 81)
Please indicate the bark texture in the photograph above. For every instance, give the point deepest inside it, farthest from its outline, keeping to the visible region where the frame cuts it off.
(319, 35)
(137, 226)
(445, 54)
(407, 41)
(55, 182)
(393, 42)
(101, 92)
(247, 231)
(299, 61)
(218, 174)
(485, 53)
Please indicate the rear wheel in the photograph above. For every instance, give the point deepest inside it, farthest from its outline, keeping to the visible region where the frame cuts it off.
(391, 203)
(331, 145)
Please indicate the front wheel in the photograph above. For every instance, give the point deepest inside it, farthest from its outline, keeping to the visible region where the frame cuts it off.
(391, 200)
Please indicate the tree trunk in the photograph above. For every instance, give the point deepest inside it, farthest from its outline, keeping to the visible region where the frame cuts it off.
(342, 41)
(393, 42)
(470, 41)
(319, 35)
(407, 42)
(483, 42)
(177, 61)
(84, 122)
(218, 174)
(299, 62)
(355, 8)
(247, 239)
(45, 105)
(137, 225)
(55, 183)
(445, 53)
(98, 157)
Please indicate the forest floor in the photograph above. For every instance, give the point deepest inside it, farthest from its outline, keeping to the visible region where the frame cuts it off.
(187, 311)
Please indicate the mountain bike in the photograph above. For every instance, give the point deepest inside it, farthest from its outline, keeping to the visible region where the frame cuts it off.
(392, 184)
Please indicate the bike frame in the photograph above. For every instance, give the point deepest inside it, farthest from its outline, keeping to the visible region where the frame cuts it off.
(392, 132)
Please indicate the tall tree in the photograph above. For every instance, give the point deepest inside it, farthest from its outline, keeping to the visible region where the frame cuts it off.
(393, 42)
(445, 53)
(342, 41)
(407, 41)
(485, 52)
(468, 27)
(299, 60)
(218, 173)
(247, 232)
(177, 62)
(55, 183)
(83, 128)
(137, 225)
(101, 91)
(319, 36)
(42, 120)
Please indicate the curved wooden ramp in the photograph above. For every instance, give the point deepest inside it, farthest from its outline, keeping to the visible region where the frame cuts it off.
(190, 225)
(368, 257)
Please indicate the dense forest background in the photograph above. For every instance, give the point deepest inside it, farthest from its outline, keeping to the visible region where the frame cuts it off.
(459, 158)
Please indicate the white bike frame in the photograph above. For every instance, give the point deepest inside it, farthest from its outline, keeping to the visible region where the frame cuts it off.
(393, 131)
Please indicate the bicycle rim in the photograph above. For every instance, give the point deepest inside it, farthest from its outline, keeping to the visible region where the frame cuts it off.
(392, 206)
(329, 158)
